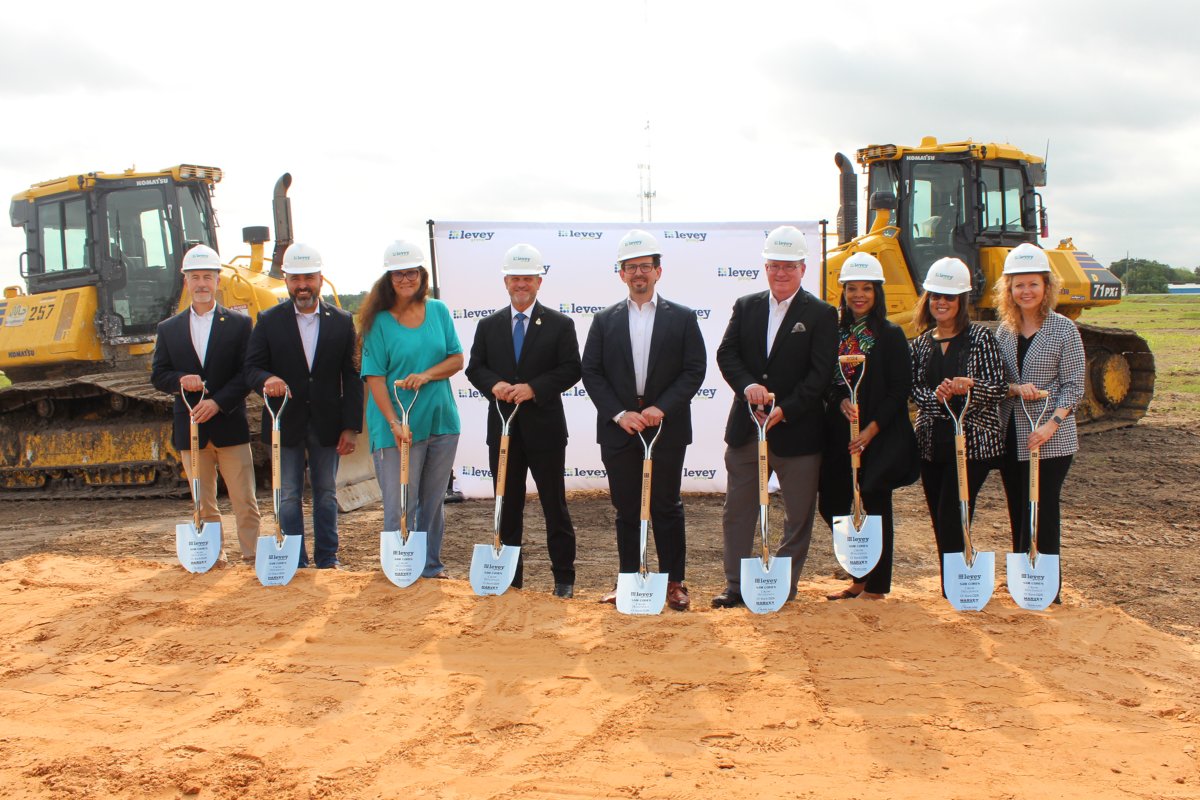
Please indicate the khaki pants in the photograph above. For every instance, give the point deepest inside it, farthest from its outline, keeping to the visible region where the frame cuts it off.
(237, 468)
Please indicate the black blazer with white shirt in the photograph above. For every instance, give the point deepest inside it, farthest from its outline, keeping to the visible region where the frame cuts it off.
(549, 364)
(223, 373)
(329, 397)
(798, 370)
(674, 372)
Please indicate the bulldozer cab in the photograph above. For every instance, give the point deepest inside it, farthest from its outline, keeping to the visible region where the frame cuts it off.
(125, 235)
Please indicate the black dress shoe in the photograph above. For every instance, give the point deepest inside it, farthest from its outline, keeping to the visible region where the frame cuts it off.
(728, 599)
(564, 590)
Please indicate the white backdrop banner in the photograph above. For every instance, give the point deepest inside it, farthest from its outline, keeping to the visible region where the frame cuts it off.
(705, 266)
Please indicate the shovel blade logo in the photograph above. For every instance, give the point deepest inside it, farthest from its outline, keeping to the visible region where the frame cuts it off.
(493, 573)
(638, 595)
(275, 564)
(198, 550)
(968, 588)
(765, 590)
(1033, 588)
(858, 550)
(402, 561)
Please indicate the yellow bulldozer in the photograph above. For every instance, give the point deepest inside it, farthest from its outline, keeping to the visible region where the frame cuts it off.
(976, 201)
(101, 269)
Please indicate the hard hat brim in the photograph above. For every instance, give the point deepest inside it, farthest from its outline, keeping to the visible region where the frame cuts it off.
(769, 256)
(301, 270)
(537, 273)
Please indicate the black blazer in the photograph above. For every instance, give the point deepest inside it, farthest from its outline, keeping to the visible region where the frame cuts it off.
(549, 364)
(798, 371)
(330, 396)
(674, 371)
(892, 459)
(223, 373)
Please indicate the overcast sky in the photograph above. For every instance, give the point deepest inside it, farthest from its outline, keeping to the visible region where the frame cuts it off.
(535, 111)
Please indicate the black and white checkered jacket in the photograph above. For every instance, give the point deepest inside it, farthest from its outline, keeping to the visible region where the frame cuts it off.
(1055, 361)
(981, 423)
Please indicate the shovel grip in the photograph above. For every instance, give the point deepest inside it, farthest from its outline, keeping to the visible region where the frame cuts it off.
(647, 469)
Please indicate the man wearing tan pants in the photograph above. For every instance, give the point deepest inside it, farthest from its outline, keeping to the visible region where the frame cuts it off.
(204, 348)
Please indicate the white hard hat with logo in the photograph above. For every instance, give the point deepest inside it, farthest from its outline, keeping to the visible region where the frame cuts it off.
(861, 267)
(401, 255)
(785, 243)
(948, 276)
(301, 259)
(636, 244)
(523, 259)
(1026, 258)
(201, 257)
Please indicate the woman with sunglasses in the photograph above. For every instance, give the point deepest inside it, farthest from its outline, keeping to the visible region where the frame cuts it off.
(409, 337)
(954, 356)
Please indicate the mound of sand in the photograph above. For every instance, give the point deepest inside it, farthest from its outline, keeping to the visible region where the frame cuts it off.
(123, 678)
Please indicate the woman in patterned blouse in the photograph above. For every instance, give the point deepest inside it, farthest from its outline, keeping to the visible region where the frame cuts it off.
(954, 355)
(1042, 350)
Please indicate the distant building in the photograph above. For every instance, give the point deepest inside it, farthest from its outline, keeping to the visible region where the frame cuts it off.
(1183, 288)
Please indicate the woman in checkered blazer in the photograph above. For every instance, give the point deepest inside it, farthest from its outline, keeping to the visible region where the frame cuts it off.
(1042, 350)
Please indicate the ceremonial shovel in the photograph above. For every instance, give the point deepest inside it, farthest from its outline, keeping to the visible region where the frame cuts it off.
(968, 578)
(857, 538)
(401, 553)
(494, 565)
(1033, 578)
(643, 592)
(277, 556)
(765, 581)
(197, 545)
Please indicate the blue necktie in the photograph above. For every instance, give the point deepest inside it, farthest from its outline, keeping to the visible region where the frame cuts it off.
(519, 334)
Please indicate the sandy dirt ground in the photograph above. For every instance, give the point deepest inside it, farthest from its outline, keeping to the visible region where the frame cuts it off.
(123, 676)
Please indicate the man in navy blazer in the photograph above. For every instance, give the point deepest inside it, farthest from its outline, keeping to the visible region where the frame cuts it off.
(784, 342)
(546, 366)
(204, 348)
(643, 363)
(304, 348)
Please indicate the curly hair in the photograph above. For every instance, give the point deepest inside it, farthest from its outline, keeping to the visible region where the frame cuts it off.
(1007, 309)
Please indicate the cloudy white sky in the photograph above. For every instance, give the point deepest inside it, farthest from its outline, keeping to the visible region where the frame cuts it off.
(387, 116)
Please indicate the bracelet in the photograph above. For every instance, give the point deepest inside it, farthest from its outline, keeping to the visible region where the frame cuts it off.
(395, 422)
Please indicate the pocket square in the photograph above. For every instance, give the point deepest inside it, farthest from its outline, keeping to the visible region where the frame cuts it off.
(799, 328)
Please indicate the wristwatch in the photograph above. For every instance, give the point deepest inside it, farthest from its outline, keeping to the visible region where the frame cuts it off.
(1058, 420)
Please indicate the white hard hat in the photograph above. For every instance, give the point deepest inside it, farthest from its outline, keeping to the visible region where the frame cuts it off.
(401, 255)
(785, 243)
(637, 244)
(861, 267)
(523, 259)
(1026, 258)
(948, 276)
(201, 257)
(301, 259)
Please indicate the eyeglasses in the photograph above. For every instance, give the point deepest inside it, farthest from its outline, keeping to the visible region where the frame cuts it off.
(645, 269)
(787, 269)
(406, 275)
(949, 298)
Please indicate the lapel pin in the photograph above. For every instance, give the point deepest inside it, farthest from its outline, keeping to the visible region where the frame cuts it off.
(220, 319)
(799, 328)
(537, 321)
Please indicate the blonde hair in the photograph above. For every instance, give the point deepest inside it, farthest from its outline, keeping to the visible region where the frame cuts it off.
(1010, 313)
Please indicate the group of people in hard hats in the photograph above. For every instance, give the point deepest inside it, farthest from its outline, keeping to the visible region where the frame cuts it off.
(642, 362)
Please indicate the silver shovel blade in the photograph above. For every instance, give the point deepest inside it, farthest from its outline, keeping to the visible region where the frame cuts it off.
(968, 588)
(1033, 587)
(858, 550)
(766, 589)
(638, 595)
(492, 572)
(402, 561)
(198, 550)
(275, 564)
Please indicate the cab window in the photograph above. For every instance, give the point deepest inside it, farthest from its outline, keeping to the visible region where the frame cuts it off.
(63, 232)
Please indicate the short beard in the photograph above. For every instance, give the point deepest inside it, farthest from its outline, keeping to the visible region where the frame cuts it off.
(305, 305)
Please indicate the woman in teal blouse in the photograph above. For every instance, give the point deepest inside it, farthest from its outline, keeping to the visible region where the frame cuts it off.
(409, 337)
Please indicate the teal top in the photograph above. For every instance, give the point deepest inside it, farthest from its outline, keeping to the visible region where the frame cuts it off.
(395, 352)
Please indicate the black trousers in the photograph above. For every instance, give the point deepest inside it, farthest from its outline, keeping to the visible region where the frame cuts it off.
(546, 467)
(940, 481)
(624, 469)
(1052, 473)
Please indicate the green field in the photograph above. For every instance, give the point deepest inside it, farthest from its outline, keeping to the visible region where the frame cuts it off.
(1171, 325)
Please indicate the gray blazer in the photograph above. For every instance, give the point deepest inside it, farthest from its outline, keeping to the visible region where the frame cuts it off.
(1055, 362)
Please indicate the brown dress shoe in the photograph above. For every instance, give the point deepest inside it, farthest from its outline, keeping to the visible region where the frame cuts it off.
(677, 596)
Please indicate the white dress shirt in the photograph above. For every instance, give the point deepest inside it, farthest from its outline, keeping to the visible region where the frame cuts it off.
(201, 325)
(527, 312)
(779, 309)
(310, 327)
(641, 328)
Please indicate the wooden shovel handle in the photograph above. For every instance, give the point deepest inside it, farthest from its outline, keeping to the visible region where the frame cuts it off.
(502, 466)
(647, 470)
(764, 473)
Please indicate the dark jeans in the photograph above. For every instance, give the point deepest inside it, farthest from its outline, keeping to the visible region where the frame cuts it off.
(624, 469)
(547, 469)
(322, 465)
(940, 481)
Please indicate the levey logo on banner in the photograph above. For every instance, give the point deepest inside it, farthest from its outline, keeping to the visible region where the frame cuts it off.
(706, 266)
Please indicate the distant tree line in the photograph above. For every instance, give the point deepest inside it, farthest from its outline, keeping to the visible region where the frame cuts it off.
(1143, 276)
(351, 302)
